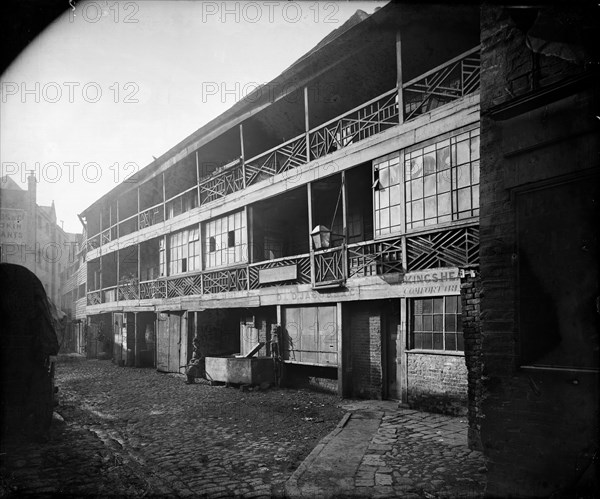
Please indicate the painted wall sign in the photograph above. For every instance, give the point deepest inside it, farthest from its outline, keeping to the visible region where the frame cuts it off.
(12, 226)
(432, 282)
(278, 274)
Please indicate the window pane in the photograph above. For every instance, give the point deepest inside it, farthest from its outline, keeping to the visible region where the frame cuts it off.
(443, 158)
(463, 175)
(427, 341)
(417, 188)
(462, 152)
(451, 304)
(438, 305)
(475, 196)
(475, 170)
(394, 174)
(418, 323)
(450, 322)
(475, 148)
(384, 198)
(438, 322)
(418, 340)
(450, 341)
(427, 306)
(395, 194)
(418, 306)
(443, 181)
(384, 218)
(429, 164)
(438, 341)
(427, 323)
(430, 211)
(396, 215)
(444, 205)
(417, 210)
(464, 199)
(384, 177)
(430, 185)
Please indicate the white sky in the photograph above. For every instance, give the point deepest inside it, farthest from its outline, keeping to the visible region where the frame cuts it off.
(65, 98)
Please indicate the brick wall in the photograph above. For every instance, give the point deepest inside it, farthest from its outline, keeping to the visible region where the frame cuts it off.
(365, 321)
(470, 289)
(437, 383)
(539, 426)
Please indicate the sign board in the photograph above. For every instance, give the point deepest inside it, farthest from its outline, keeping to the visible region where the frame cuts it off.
(12, 226)
(445, 281)
(278, 274)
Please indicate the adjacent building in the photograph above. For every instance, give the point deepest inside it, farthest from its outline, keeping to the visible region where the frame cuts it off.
(333, 214)
(537, 373)
(30, 236)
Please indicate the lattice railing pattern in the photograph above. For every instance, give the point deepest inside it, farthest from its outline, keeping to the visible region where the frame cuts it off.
(94, 298)
(153, 289)
(184, 286)
(366, 121)
(288, 155)
(128, 291)
(151, 216)
(105, 236)
(220, 281)
(446, 83)
(222, 183)
(329, 266)
(375, 258)
(92, 243)
(450, 248)
(303, 271)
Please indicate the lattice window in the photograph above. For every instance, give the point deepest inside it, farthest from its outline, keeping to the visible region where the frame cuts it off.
(436, 324)
(442, 181)
(225, 240)
(184, 251)
(387, 186)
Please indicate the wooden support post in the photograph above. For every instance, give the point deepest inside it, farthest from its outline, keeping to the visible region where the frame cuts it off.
(243, 155)
(402, 175)
(198, 177)
(164, 197)
(136, 343)
(118, 220)
(139, 269)
(399, 77)
(340, 349)
(344, 225)
(403, 343)
(251, 242)
(306, 124)
(101, 227)
(310, 224)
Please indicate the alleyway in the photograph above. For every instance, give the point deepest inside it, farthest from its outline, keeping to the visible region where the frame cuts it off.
(136, 432)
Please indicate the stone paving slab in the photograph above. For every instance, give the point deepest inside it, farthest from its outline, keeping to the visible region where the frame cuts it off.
(404, 453)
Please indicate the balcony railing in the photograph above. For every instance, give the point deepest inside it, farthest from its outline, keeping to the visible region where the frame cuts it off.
(450, 81)
(156, 289)
(277, 160)
(221, 183)
(358, 124)
(151, 216)
(128, 290)
(441, 85)
(184, 286)
(375, 258)
(330, 267)
(222, 281)
(286, 270)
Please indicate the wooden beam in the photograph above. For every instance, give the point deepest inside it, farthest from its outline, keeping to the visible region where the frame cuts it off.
(340, 349)
(403, 335)
(399, 77)
(310, 224)
(306, 124)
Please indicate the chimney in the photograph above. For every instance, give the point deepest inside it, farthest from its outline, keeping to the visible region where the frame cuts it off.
(31, 221)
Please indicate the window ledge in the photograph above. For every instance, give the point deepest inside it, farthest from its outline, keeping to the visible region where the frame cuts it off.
(436, 352)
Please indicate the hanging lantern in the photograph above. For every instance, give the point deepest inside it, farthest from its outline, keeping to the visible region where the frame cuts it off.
(321, 237)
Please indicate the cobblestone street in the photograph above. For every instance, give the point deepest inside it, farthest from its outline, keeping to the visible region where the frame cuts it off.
(138, 432)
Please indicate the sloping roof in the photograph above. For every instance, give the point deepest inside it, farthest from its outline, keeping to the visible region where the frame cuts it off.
(249, 102)
(7, 182)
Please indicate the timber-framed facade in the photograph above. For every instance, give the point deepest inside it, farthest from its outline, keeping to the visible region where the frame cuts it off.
(336, 207)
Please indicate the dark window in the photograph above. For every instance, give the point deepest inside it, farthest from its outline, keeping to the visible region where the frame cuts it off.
(231, 239)
(212, 244)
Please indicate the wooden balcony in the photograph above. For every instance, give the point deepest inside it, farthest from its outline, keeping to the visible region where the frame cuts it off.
(334, 267)
(437, 87)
